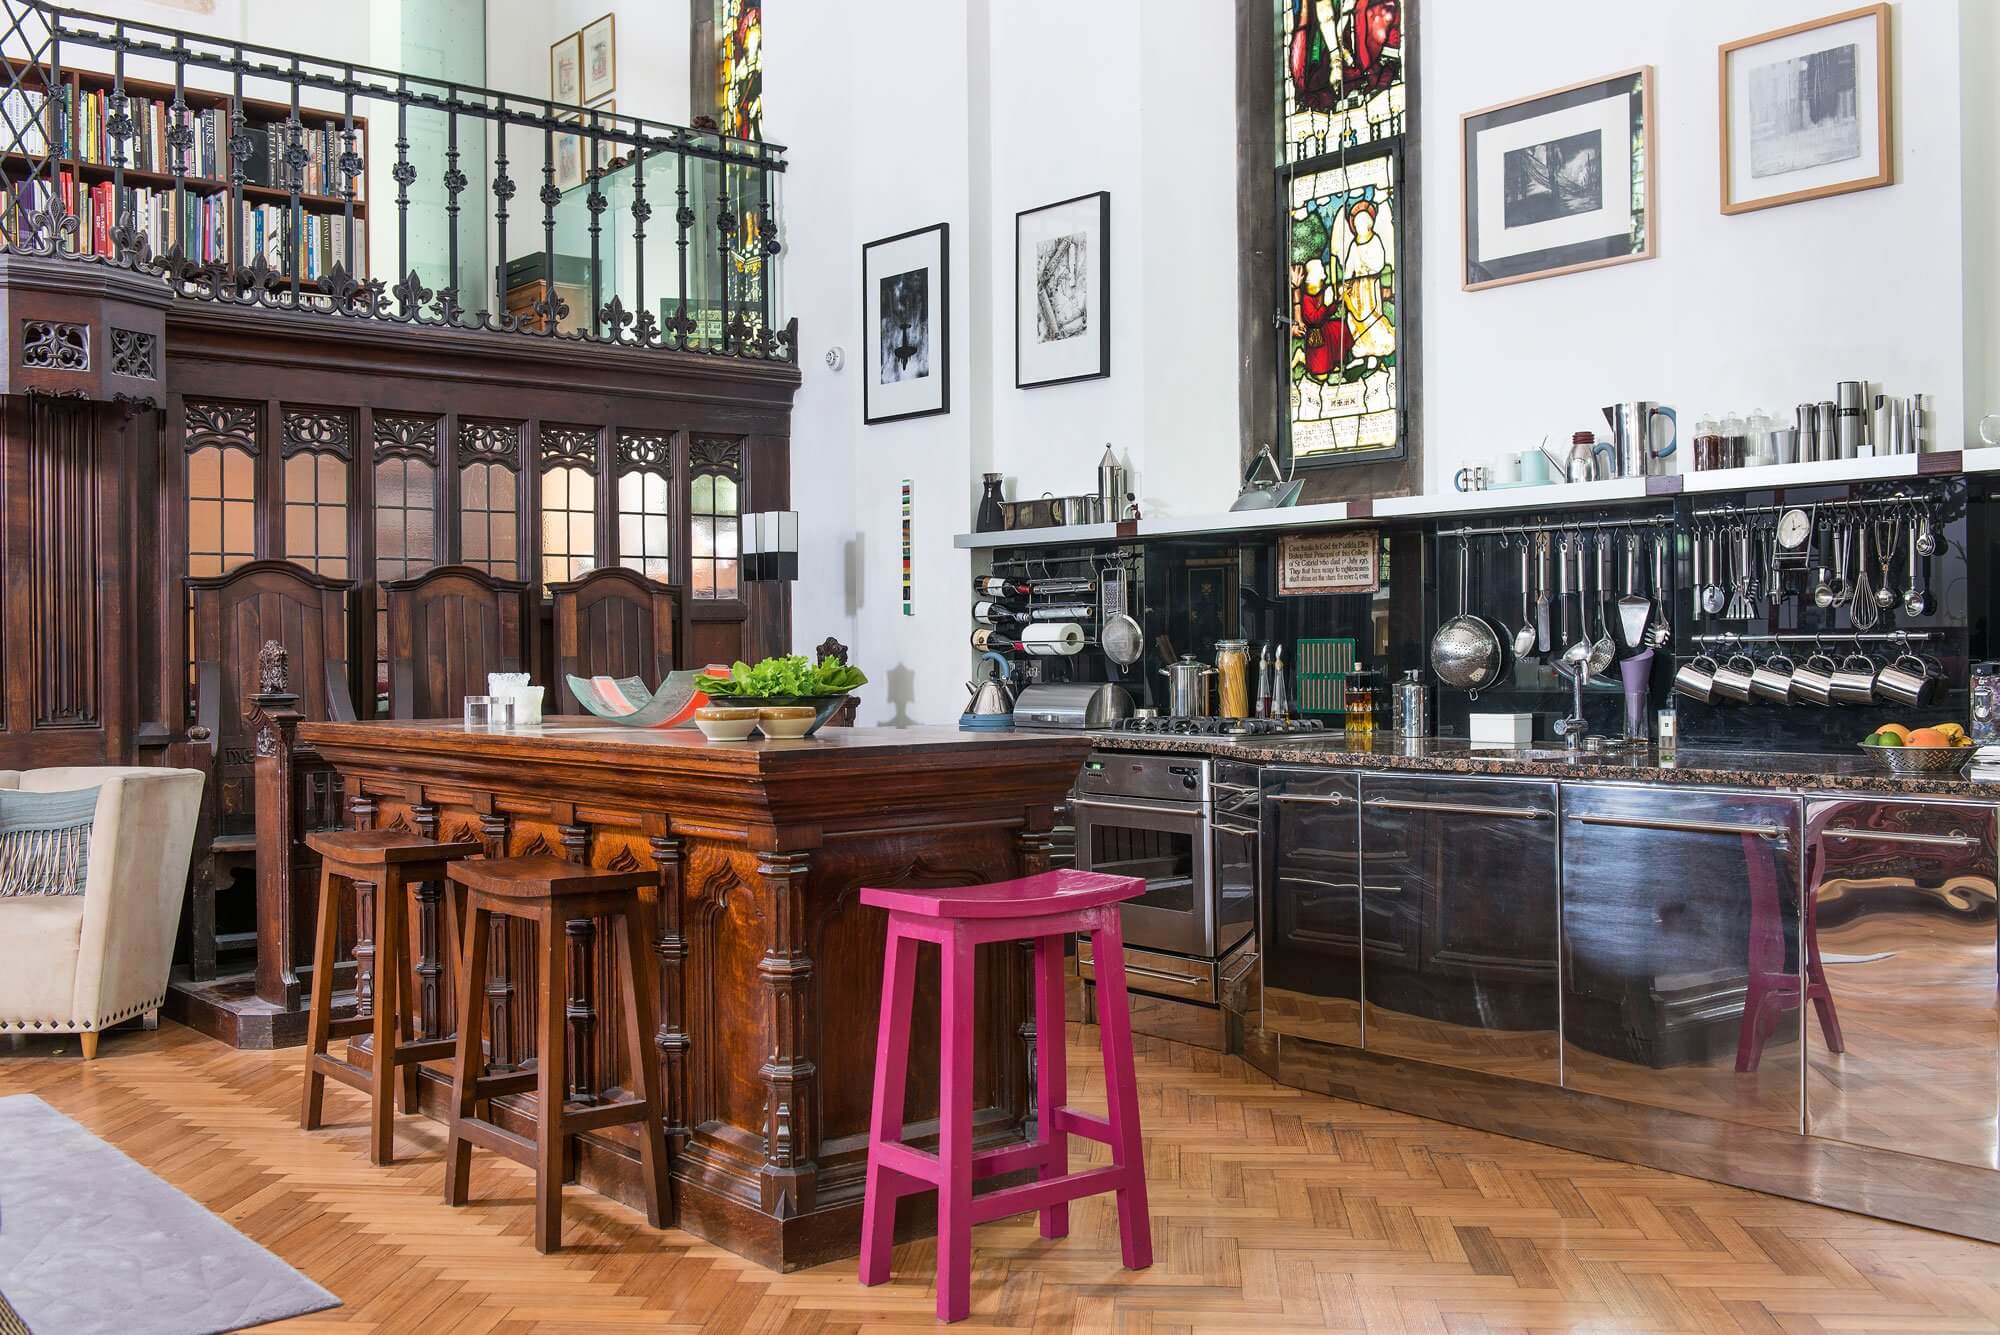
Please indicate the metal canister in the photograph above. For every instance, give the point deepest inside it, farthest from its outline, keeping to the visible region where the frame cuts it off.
(1850, 425)
(1410, 706)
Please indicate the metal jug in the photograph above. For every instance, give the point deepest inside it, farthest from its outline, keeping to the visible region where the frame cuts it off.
(1187, 687)
(1643, 434)
(993, 697)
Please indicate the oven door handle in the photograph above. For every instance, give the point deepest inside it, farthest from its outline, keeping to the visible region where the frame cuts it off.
(1458, 808)
(1105, 804)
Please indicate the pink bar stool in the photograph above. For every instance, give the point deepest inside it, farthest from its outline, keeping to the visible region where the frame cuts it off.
(1033, 908)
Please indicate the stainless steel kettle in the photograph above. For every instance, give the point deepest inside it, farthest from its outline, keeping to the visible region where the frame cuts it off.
(1187, 687)
(993, 697)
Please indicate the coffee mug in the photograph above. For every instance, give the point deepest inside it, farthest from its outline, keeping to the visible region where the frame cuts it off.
(1773, 679)
(1473, 478)
(1854, 681)
(1732, 679)
(1906, 681)
(1812, 681)
(1696, 678)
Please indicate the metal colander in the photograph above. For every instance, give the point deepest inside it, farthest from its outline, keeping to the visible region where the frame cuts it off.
(1466, 652)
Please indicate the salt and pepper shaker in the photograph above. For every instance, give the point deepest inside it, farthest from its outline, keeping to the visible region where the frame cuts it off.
(1264, 683)
(1281, 696)
(1825, 416)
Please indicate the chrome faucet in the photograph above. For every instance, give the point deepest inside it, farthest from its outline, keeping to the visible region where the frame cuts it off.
(1573, 728)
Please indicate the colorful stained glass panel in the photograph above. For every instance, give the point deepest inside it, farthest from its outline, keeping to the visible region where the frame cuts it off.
(1341, 280)
(1342, 76)
(740, 73)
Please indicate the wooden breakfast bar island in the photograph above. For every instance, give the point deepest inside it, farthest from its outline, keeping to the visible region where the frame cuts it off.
(769, 967)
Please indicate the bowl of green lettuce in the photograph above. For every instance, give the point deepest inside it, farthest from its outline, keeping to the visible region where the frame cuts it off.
(787, 679)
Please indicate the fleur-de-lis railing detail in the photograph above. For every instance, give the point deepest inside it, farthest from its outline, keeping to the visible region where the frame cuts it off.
(237, 201)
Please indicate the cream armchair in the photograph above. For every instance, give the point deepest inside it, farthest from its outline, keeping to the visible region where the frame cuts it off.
(80, 963)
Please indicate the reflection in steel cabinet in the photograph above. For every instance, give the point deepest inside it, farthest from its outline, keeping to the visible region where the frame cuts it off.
(1459, 923)
(1680, 919)
(1902, 905)
(1311, 917)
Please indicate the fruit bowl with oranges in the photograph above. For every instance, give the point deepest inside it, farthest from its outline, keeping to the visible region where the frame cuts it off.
(1937, 749)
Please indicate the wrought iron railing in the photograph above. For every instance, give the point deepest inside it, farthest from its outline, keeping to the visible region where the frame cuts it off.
(151, 149)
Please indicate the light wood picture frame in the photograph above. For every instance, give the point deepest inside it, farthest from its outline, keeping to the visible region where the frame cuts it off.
(1804, 111)
(1560, 182)
(566, 70)
(599, 63)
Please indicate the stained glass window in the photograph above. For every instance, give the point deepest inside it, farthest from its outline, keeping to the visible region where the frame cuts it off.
(740, 74)
(1341, 143)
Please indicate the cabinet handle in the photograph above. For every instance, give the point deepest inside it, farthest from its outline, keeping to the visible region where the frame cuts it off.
(1189, 978)
(1249, 963)
(1684, 826)
(1952, 840)
(1459, 808)
(1333, 800)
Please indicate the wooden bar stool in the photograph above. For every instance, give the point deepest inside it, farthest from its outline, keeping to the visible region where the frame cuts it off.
(392, 861)
(550, 892)
(1033, 908)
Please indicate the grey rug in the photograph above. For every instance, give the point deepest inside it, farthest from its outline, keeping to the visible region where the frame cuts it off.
(91, 1242)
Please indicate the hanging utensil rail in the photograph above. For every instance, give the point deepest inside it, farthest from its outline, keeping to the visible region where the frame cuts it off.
(1846, 636)
(1571, 526)
(1729, 512)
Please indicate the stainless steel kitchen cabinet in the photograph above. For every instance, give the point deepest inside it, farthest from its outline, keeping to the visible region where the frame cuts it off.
(1902, 959)
(1459, 922)
(1681, 925)
(1310, 926)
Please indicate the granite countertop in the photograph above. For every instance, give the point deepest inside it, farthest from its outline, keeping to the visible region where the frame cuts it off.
(1797, 771)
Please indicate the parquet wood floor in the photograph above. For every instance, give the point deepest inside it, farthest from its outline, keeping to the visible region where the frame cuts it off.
(1274, 1211)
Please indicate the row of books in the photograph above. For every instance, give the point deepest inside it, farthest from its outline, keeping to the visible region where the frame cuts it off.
(160, 217)
(75, 124)
(322, 240)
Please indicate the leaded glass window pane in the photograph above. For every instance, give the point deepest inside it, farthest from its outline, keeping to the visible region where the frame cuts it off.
(569, 512)
(644, 524)
(1343, 75)
(713, 523)
(487, 519)
(740, 67)
(316, 512)
(1341, 292)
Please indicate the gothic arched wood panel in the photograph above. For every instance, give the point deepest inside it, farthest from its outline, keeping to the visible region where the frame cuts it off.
(613, 623)
(448, 628)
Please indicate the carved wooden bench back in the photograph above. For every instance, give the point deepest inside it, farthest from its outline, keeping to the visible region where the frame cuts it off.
(448, 628)
(613, 623)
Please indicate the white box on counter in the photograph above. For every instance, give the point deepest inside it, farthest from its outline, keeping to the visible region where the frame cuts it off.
(1503, 730)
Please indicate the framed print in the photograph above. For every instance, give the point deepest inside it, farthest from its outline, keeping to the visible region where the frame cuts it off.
(906, 325)
(569, 150)
(1559, 182)
(1062, 291)
(600, 58)
(1805, 111)
(566, 70)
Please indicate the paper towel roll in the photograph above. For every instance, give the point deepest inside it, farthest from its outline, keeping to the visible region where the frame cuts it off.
(1050, 639)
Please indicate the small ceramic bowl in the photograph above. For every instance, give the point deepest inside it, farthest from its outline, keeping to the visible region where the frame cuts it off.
(786, 720)
(722, 724)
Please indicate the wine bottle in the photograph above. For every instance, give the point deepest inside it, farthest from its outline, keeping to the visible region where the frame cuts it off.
(993, 639)
(992, 612)
(992, 586)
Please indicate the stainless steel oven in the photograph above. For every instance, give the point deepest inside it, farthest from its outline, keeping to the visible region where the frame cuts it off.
(1148, 816)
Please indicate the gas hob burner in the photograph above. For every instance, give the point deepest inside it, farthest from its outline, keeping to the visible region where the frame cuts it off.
(1182, 725)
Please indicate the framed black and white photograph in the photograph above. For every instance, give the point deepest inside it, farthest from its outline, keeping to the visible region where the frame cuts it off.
(1559, 182)
(906, 325)
(1805, 111)
(1062, 291)
(600, 58)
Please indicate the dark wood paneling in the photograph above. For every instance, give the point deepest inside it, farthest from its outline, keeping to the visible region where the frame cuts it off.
(612, 623)
(448, 628)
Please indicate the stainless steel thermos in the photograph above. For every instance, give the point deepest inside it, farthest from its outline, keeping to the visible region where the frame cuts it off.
(1850, 430)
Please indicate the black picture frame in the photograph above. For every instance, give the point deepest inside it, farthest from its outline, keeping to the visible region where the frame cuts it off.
(1100, 269)
(871, 331)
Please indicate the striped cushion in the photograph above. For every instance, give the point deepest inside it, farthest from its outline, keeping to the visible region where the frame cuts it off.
(45, 841)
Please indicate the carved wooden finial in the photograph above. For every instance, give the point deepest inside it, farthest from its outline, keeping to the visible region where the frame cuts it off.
(834, 649)
(274, 669)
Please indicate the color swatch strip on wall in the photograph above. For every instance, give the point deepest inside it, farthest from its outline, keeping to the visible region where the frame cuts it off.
(909, 603)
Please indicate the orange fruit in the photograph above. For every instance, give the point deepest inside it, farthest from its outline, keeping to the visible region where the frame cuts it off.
(1896, 728)
(1927, 737)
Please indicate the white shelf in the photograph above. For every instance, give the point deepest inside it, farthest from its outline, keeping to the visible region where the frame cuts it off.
(1555, 496)
(1038, 537)
(1821, 472)
(1237, 521)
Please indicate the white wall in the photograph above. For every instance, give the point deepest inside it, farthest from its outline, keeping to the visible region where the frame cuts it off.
(1763, 309)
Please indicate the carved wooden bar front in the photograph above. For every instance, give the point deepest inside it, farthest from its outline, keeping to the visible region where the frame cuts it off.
(770, 966)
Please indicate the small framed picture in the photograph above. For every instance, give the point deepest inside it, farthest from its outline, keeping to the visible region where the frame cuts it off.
(1062, 291)
(906, 325)
(1559, 182)
(566, 70)
(600, 58)
(569, 149)
(1805, 111)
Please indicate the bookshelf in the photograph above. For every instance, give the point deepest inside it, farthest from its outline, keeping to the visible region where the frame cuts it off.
(74, 124)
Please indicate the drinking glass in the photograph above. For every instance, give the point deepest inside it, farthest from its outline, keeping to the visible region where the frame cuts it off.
(478, 712)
